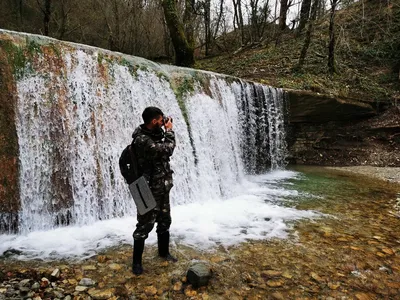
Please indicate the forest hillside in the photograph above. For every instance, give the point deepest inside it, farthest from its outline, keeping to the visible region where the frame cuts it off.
(367, 55)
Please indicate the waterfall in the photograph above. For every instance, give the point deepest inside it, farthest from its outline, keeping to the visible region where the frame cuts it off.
(76, 113)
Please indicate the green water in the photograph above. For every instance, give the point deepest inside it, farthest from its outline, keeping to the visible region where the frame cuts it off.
(332, 191)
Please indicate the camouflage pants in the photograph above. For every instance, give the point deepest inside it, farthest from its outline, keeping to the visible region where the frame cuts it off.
(161, 214)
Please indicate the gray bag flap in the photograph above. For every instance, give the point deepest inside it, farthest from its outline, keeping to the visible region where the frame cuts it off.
(142, 196)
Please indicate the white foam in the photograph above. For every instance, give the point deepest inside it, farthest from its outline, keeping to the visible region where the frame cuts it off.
(203, 225)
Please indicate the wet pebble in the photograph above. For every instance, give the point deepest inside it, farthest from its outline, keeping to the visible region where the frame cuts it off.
(80, 288)
(35, 286)
(55, 274)
(115, 267)
(86, 282)
(150, 290)
(275, 283)
(101, 294)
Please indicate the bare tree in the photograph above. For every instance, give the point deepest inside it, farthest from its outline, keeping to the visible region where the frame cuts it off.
(304, 14)
(45, 8)
(184, 52)
(285, 4)
(331, 56)
(259, 13)
(307, 39)
(238, 19)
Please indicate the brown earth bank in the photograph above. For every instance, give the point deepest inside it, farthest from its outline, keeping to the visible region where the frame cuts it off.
(350, 252)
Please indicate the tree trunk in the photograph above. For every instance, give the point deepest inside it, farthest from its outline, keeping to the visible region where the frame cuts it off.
(47, 14)
(207, 25)
(307, 39)
(331, 56)
(184, 53)
(64, 20)
(188, 20)
(283, 14)
(304, 14)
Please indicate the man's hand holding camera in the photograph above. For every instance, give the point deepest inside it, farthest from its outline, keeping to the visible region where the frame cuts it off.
(168, 123)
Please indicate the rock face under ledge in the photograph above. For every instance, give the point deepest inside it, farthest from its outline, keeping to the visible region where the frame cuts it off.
(327, 131)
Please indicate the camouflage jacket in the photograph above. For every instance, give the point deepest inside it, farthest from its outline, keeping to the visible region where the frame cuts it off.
(153, 149)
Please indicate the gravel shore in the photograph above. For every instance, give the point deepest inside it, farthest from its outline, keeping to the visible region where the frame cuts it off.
(389, 174)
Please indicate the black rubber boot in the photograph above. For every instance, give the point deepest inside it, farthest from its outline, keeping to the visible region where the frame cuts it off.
(138, 246)
(163, 247)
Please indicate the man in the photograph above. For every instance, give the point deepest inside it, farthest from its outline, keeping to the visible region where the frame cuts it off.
(153, 148)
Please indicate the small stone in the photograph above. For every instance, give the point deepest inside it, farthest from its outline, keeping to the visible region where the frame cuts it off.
(101, 294)
(287, 275)
(101, 258)
(101, 285)
(217, 259)
(44, 283)
(205, 297)
(37, 298)
(395, 285)
(316, 277)
(199, 274)
(86, 282)
(189, 292)
(177, 286)
(278, 296)
(72, 281)
(55, 274)
(24, 289)
(80, 288)
(3, 290)
(164, 264)
(333, 286)
(275, 283)
(184, 279)
(342, 239)
(363, 296)
(115, 267)
(150, 290)
(25, 283)
(68, 297)
(271, 273)
(35, 287)
(58, 294)
(380, 254)
(89, 268)
(388, 251)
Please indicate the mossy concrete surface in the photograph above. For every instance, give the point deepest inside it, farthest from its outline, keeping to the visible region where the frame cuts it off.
(9, 192)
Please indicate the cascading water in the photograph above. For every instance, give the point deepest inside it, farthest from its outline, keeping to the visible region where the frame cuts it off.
(75, 115)
(70, 143)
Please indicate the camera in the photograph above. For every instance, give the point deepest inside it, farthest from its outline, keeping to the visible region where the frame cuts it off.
(166, 119)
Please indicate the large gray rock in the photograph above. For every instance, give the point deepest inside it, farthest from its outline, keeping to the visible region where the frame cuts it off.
(199, 273)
